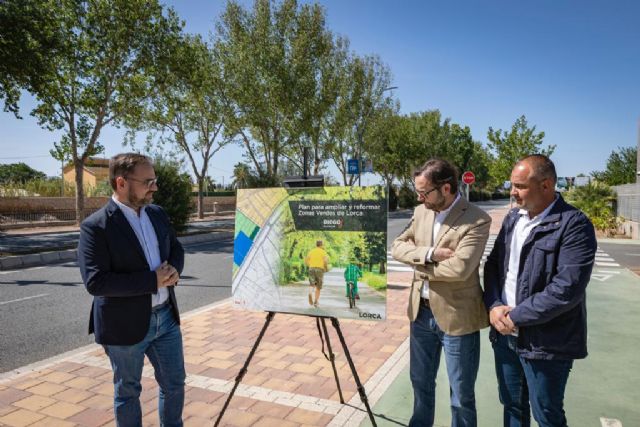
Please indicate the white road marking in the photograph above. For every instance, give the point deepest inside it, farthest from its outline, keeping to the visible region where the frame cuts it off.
(601, 277)
(23, 299)
(22, 269)
(607, 264)
(610, 422)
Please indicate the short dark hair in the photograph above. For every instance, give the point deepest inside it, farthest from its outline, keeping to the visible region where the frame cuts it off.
(541, 167)
(124, 163)
(439, 172)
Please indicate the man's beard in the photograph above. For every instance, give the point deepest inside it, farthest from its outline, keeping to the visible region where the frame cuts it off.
(139, 202)
(438, 204)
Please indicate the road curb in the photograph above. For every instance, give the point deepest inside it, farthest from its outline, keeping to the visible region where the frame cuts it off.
(18, 262)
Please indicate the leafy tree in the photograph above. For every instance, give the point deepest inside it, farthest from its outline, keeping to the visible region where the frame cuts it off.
(186, 103)
(19, 173)
(376, 250)
(271, 61)
(621, 167)
(509, 147)
(318, 75)
(174, 192)
(99, 73)
(465, 153)
(390, 146)
(293, 85)
(399, 144)
(361, 99)
(29, 40)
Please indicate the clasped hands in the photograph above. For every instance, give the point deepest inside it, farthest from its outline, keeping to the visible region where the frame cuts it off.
(167, 275)
(499, 318)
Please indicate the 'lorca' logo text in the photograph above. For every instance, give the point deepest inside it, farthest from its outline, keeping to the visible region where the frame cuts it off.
(369, 315)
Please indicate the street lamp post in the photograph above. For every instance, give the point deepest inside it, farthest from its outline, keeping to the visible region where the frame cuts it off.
(360, 144)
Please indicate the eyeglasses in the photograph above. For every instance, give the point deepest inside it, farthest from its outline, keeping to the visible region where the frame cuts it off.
(148, 182)
(424, 194)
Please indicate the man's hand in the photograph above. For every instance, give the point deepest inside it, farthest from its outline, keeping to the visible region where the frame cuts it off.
(166, 275)
(499, 318)
(441, 254)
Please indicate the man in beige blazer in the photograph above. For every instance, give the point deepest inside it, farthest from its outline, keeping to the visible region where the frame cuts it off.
(444, 242)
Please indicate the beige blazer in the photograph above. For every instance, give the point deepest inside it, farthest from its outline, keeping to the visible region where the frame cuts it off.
(455, 294)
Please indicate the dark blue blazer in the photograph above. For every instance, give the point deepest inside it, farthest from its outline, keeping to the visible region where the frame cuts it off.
(115, 271)
(555, 268)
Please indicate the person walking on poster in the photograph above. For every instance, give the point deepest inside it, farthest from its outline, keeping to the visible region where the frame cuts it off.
(130, 260)
(444, 242)
(535, 281)
(317, 261)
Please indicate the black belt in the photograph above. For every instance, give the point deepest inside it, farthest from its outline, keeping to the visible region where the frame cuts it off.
(424, 302)
(166, 303)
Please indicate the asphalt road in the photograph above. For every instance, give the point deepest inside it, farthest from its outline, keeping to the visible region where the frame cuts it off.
(44, 311)
(627, 253)
(17, 244)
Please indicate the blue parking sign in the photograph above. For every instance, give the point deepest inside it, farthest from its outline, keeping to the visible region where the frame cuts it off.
(353, 166)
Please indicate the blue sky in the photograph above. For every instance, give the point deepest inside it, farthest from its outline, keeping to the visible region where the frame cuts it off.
(572, 67)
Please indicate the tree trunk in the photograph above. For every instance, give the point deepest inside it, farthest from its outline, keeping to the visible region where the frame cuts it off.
(201, 197)
(383, 268)
(79, 190)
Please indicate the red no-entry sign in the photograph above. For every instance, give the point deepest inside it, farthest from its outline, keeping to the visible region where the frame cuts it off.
(468, 177)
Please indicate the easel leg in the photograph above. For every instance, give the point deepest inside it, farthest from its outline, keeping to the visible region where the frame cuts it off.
(332, 358)
(243, 371)
(363, 395)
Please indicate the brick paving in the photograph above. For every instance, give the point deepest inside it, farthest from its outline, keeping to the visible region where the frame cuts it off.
(289, 382)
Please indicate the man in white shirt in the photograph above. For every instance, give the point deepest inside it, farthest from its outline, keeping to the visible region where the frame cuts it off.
(130, 260)
(535, 283)
(444, 242)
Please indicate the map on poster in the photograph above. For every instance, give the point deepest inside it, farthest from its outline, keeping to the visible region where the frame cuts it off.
(312, 251)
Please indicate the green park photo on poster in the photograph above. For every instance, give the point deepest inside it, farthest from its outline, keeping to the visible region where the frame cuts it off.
(312, 251)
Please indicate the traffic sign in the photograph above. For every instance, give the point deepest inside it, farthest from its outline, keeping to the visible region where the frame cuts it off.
(468, 177)
(353, 166)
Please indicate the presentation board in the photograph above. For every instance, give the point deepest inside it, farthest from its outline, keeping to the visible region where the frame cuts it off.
(312, 251)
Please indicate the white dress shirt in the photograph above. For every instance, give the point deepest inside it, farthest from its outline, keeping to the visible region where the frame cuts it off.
(520, 233)
(437, 223)
(146, 234)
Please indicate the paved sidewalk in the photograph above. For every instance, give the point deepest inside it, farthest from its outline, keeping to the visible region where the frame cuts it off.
(289, 382)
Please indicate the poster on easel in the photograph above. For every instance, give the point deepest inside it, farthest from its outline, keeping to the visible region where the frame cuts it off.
(312, 251)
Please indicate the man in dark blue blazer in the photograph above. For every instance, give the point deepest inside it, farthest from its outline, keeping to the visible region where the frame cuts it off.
(130, 261)
(535, 282)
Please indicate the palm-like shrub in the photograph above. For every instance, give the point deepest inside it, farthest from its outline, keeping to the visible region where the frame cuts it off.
(596, 201)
